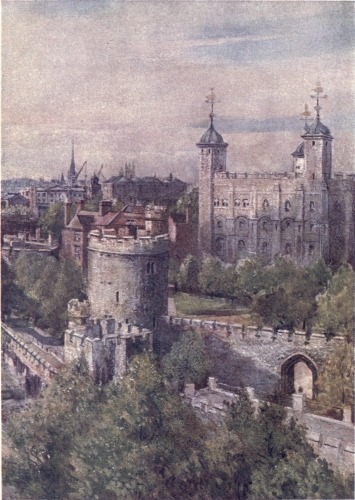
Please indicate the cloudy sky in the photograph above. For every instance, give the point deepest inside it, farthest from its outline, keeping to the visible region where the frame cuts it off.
(128, 79)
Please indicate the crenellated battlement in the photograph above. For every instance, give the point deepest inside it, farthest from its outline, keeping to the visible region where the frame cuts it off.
(255, 175)
(108, 241)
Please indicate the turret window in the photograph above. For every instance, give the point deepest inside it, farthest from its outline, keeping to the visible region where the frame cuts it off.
(265, 204)
(150, 268)
(245, 203)
(287, 206)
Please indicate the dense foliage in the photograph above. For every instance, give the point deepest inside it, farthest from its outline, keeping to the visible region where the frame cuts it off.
(137, 439)
(281, 294)
(52, 221)
(40, 287)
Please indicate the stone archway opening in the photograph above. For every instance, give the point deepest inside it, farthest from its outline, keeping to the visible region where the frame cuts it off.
(299, 374)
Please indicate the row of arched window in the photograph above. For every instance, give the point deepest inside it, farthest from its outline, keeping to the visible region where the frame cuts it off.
(220, 247)
(244, 203)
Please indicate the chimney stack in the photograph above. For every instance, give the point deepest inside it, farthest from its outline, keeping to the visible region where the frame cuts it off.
(105, 206)
(67, 213)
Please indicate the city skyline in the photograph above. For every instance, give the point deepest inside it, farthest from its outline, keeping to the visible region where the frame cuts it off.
(128, 80)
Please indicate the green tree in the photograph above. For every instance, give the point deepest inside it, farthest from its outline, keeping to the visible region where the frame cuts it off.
(250, 279)
(336, 381)
(188, 275)
(188, 203)
(52, 221)
(44, 436)
(210, 278)
(187, 362)
(47, 286)
(145, 443)
(336, 306)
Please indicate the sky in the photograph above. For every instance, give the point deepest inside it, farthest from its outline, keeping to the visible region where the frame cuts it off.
(127, 80)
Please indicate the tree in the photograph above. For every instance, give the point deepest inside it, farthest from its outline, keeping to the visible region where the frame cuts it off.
(44, 436)
(188, 203)
(336, 306)
(145, 443)
(187, 362)
(336, 381)
(210, 278)
(47, 286)
(188, 276)
(52, 221)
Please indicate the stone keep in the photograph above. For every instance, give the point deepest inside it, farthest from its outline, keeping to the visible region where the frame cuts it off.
(127, 277)
(304, 214)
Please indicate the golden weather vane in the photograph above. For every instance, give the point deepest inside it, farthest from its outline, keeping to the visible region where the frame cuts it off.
(318, 90)
(305, 115)
(211, 99)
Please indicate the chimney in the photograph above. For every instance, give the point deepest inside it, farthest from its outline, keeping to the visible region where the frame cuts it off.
(67, 212)
(105, 206)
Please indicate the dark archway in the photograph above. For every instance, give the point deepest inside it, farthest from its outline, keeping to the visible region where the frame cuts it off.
(299, 373)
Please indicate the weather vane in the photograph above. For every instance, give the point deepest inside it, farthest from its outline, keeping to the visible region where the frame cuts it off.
(305, 115)
(318, 90)
(211, 99)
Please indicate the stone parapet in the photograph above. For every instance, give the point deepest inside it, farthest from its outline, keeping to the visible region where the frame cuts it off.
(102, 241)
(255, 175)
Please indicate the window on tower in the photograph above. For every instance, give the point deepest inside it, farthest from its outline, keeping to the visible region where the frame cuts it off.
(265, 204)
(287, 206)
(288, 249)
(245, 203)
(311, 250)
(311, 206)
(264, 247)
(150, 267)
(241, 245)
(237, 203)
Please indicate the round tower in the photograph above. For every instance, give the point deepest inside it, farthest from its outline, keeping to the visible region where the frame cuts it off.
(213, 158)
(128, 278)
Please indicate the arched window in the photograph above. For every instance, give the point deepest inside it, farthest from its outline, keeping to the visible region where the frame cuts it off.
(219, 223)
(311, 206)
(311, 250)
(237, 203)
(311, 226)
(264, 225)
(265, 204)
(224, 203)
(264, 247)
(245, 203)
(241, 245)
(117, 297)
(288, 249)
(216, 202)
(241, 224)
(287, 206)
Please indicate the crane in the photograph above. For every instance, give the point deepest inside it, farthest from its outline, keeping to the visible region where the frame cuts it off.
(100, 173)
(77, 175)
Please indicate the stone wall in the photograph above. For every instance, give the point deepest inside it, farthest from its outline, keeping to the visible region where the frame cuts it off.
(263, 352)
(331, 439)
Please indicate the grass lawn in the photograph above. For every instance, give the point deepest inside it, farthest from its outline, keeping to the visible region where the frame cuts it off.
(218, 309)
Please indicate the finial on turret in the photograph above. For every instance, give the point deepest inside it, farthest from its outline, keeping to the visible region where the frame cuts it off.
(211, 99)
(318, 90)
(305, 115)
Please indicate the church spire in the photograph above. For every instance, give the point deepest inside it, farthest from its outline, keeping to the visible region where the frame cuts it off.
(71, 171)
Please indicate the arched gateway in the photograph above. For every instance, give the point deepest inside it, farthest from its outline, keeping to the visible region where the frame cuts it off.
(299, 373)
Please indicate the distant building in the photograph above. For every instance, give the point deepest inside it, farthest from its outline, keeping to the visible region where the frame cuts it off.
(149, 189)
(304, 214)
(14, 199)
(133, 220)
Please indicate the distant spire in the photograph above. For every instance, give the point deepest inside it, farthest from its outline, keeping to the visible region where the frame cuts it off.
(318, 90)
(211, 99)
(305, 115)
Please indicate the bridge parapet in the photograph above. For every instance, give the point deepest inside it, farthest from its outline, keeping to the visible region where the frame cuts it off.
(31, 355)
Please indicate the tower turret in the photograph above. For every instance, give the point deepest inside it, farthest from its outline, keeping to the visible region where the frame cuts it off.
(213, 158)
(318, 144)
